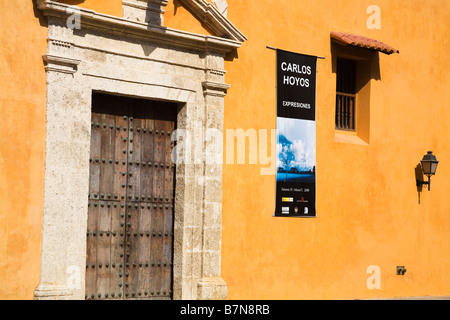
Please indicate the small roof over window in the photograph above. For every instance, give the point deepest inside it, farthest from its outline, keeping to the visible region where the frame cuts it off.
(362, 42)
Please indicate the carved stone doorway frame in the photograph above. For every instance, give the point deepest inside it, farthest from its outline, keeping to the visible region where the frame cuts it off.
(123, 57)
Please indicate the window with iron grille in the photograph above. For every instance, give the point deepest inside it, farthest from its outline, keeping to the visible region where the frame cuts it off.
(346, 95)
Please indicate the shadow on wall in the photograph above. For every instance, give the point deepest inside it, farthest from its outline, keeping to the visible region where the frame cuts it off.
(39, 15)
(71, 2)
(177, 4)
(368, 62)
(419, 177)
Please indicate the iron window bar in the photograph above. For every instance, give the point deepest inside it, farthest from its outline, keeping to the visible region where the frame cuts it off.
(345, 111)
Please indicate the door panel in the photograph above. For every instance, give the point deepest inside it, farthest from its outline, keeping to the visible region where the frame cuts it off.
(131, 194)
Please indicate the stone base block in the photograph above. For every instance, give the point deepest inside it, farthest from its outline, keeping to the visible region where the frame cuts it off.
(52, 293)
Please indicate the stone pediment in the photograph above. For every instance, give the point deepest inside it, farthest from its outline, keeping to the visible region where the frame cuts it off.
(146, 16)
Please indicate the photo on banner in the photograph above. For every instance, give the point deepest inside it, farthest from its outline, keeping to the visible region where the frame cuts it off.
(296, 135)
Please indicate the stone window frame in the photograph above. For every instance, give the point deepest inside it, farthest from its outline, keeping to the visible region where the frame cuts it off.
(117, 56)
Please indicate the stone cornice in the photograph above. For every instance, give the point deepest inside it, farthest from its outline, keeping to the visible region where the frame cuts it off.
(60, 63)
(93, 20)
(215, 88)
(208, 13)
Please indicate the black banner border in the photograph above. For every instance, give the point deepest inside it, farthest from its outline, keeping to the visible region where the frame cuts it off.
(275, 215)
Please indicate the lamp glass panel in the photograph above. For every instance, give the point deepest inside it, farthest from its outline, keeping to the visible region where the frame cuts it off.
(433, 167)
(426, 166)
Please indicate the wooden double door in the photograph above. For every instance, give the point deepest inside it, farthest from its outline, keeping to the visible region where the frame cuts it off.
(131, 197)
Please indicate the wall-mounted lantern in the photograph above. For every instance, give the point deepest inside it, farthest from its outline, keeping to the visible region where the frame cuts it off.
(429, 166)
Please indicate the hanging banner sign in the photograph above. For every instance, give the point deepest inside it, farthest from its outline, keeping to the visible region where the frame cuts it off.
(296, 135)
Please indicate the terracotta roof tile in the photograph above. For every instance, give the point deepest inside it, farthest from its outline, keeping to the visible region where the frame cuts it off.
(362, 42)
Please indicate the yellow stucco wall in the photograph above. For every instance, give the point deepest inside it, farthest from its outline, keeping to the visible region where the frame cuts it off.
(176, 16)
(22, 146)
(367, 202)
(111, 7)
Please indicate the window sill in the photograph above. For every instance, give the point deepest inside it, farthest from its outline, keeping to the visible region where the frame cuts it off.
(349, 137)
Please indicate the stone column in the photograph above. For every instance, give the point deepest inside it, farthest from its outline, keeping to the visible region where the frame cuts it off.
(187, 228)
(211, 285)
(66, 160)
(198, 202)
